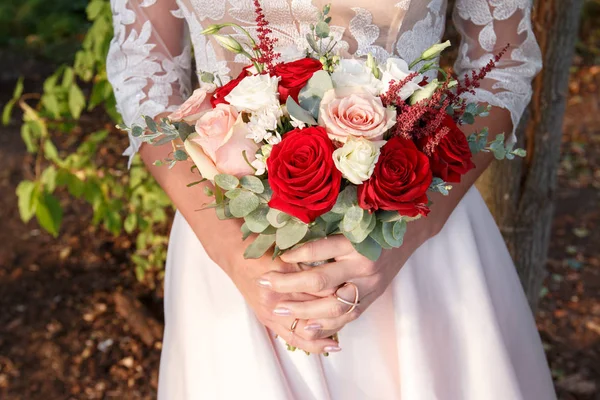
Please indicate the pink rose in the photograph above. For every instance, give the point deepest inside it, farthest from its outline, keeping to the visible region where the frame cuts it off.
(193, 107)
(359, 114)
(218, 143)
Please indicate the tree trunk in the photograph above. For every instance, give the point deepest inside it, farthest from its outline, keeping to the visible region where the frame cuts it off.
(520, 193)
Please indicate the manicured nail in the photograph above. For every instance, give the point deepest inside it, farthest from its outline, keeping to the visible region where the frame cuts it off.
(264, 283)
(282, 311)
(332, 349)
(313, 327)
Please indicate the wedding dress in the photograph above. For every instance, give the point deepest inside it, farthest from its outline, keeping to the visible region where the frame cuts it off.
(453, 325)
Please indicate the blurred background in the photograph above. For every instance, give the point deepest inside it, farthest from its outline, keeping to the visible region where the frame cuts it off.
(83, 241)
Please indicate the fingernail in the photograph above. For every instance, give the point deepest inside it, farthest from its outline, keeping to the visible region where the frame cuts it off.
(332, 349)
(282, 311)
(264, 283)
(313, 327)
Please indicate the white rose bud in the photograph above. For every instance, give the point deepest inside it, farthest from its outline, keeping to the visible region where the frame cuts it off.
(435, 50)
(424, 93)
(229, 43)
(357, 158)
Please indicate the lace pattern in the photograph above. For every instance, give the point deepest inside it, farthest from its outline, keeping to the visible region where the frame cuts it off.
(149, 62)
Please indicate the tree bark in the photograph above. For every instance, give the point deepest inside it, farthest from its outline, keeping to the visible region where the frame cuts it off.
(520, 193)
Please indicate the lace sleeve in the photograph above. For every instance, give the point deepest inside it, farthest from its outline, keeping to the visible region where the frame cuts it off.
(486, 28)
(149, 60)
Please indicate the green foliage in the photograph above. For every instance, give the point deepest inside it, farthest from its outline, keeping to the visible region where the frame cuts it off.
(121, 202)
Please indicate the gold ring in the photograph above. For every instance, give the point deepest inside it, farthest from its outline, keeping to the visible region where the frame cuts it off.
(294, 325)
(353, 304)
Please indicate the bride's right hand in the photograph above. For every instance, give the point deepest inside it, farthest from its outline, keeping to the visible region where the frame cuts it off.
(246, 273)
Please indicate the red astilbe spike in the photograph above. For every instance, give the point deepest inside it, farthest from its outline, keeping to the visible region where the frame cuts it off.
(391, 97)
(266, 43)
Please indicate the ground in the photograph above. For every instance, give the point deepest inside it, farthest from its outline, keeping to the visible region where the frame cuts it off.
(76, 324)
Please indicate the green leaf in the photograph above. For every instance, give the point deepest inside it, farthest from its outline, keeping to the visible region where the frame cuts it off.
(298, 112)
(257, 221)
(310, 96)
(233, 193)
(50, 151)
(366, 226)
(368, 248)
(49, 213)
(27, 194)
(399, 230)
(252, 183)
(389, 216)
(312, 42)
(322, 29)
(244, 204)
(277, 218)
(150, 124)
(137, 131)
(259, 246)
(50, 102)
(94, 9)
(76, 101)
(519, 152)
(346, 199)
(352, 218)
(130, 222)
(48, 179)
(7, 111)
(387, 230)
(226, 182)
(246, 232)
(377, 235)
(290, 234)
(468, 119)
(180, 155)
(27, 136)
(18, 91)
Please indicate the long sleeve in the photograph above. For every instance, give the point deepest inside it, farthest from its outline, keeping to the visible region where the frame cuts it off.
(149, 60)
(487, 26)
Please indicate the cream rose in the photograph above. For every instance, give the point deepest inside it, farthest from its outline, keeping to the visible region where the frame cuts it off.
(218, 144)
(396, 69)
(254, 93)
(351, 74)
(359, 114)
(193, 107)
(357, 158)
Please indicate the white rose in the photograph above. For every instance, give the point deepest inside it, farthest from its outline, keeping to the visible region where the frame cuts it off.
(425, 92)
(350, 74)
(254, 93)
(357, 158)
(396, 69)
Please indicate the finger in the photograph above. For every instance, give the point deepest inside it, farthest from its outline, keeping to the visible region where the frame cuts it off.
(327, 307)
(315, 280)
(318, 346)
(324, 249)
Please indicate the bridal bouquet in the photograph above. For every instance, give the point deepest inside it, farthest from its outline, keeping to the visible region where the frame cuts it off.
(320, 145)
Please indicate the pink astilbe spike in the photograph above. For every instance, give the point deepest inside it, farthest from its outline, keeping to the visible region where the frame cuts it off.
(266, 43)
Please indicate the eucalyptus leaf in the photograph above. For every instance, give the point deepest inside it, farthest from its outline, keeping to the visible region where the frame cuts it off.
(352, 218)
(246, 232)
(259, 246)
(233, 193)
(399, 230)
(387, 230)
(180, 155)
(257, 221)
(252, 183)
(137, 131)
(290, 234)
(243, 204)
(364, 228)
(369, 248)
(322, 29)
(346, 199)
(298, 112)
(377, 235)
(389, 216)
(277, 218)
(226, 182)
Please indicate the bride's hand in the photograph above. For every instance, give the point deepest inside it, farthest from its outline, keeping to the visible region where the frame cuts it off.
(326, 315)
(264, 301)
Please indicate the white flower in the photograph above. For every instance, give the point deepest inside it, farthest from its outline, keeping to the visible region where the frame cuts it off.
(357, 158)
(260, 163)
(396, 69)
(296, 123)
(425, 92)
(254, 93)
(263, 123)
(350, 74)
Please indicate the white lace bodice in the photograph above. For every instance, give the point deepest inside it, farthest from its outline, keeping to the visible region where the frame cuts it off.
(149, 60)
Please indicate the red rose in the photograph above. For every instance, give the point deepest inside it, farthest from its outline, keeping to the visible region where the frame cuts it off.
(302, 174)
(219, 94)
(294, 76)
(451, 158)
(400, 180)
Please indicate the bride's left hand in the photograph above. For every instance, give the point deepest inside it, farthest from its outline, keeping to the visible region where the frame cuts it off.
(327, 315)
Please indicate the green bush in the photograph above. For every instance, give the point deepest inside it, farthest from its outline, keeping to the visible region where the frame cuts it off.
(122, 201)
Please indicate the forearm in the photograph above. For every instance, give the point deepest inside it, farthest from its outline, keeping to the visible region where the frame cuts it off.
(222, 240)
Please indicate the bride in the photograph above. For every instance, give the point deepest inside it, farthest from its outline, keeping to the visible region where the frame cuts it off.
(443, 317)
